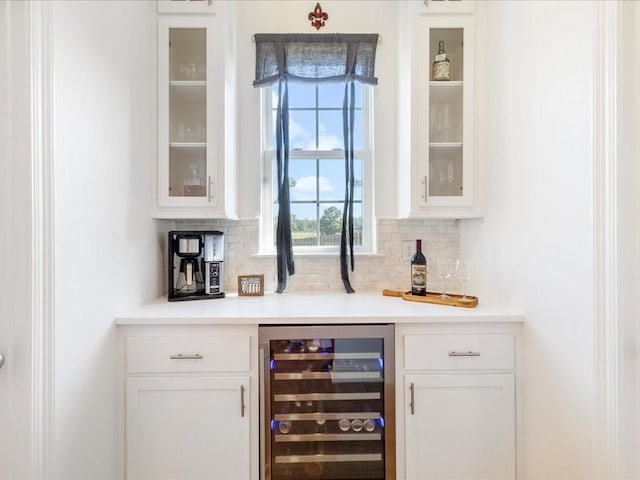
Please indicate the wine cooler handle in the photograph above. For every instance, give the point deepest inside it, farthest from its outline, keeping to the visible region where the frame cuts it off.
(242, 406)
(412, 401)
(263, 446)
(210, 188)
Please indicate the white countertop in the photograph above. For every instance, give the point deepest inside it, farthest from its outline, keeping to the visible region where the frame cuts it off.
(308, 308)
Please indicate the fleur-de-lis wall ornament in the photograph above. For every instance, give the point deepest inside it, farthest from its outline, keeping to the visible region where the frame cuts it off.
(318, 17)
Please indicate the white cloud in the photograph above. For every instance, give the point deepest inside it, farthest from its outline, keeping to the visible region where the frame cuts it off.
(326, 141)
(305, 188)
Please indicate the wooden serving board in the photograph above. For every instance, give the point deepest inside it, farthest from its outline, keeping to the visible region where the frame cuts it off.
(434, 297)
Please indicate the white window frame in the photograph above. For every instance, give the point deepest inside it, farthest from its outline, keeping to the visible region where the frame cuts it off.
(267, 243)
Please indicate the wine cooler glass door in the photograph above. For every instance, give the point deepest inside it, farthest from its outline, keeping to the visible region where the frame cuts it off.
(328, 402)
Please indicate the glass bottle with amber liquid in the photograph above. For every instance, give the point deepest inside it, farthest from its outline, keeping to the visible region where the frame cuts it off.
(441, 70)
(418, 271)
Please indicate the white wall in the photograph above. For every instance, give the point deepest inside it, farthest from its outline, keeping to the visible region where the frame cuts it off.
(16, 237)
(290, 16)
(107, 251)
(628, 181)
(535, 247)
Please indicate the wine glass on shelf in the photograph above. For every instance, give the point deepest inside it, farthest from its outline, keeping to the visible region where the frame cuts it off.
(444, 269)
(463, 272)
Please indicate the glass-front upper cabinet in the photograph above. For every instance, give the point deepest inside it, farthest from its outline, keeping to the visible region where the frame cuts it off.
(192, 113)
(450, 6)
(442, 165)
(186, 6)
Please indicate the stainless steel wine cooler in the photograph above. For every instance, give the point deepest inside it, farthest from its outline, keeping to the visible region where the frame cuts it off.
(327, 402)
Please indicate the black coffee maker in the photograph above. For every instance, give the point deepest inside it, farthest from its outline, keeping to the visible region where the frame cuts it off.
(196, 265)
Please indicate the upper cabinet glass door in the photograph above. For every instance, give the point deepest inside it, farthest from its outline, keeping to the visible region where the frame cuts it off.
(446, 113)
(187, 112)
(186, 106)
(196, 112)
(444, 133)
(185, 6)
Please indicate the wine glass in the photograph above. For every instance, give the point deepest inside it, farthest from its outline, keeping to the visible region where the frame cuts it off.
(463, 272)
(444, 269)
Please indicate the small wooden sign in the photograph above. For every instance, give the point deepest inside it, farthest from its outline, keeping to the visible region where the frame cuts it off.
(251, 285)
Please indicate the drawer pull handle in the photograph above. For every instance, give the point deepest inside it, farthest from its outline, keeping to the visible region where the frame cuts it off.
(242, 406)
(411, 402)
(180, 356)
(464, 354)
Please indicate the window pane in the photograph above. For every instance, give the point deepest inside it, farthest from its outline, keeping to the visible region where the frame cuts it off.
(304, 225)
(301, 95)
(332, 181)
(302, 179)
(330, 132)
(330, 224)
(302, 129)
(331, 95)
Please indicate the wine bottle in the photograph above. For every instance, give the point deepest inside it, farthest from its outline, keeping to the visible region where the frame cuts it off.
(418, 271)
(441, 64)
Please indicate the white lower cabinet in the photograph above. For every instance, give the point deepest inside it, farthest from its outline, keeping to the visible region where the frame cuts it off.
(460, 427)
(187, 428)
(456, 405)
(190, 403)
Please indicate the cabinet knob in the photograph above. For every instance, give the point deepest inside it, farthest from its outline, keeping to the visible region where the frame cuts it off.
(1, 360)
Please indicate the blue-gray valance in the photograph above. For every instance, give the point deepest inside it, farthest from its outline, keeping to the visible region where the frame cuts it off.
(317, 58)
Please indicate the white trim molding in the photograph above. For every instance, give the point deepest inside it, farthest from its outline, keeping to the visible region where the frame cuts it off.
(42, 278)
(606, 334)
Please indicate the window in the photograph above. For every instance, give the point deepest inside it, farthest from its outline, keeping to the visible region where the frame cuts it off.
(317, 168)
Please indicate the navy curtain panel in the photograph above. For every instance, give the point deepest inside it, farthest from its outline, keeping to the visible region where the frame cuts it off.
(313, 58)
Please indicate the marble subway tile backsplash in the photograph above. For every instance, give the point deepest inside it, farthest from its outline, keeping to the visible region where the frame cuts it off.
(388, 268)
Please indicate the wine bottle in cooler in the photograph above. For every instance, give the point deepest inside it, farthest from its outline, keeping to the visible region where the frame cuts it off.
(418, 271)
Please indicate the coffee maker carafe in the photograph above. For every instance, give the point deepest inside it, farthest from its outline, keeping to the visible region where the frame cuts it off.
(196, 260)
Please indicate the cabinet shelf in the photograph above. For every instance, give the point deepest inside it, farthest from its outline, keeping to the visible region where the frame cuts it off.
(445, 145)
(303, 397)
(446, 84)
(328, 437)
(326, 416)
(334, 376)
(188, 83)
(188, 145)
(326, 356)
(320, 458)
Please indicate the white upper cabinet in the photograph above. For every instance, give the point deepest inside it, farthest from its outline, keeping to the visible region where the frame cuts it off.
(196, 137)
(187, 6)
(439, 176)
(449, 6)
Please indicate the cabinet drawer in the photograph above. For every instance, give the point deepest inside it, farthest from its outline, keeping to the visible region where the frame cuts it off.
(458, 352)
(188, 354)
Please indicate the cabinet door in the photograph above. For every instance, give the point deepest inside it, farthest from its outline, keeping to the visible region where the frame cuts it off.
(186, 6)
(187, 100)
(460, 426)
(449, 6)
(442, 180)
(445, 169)
(189, 428)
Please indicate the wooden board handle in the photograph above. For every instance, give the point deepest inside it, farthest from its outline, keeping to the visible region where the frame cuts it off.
(392, 293)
